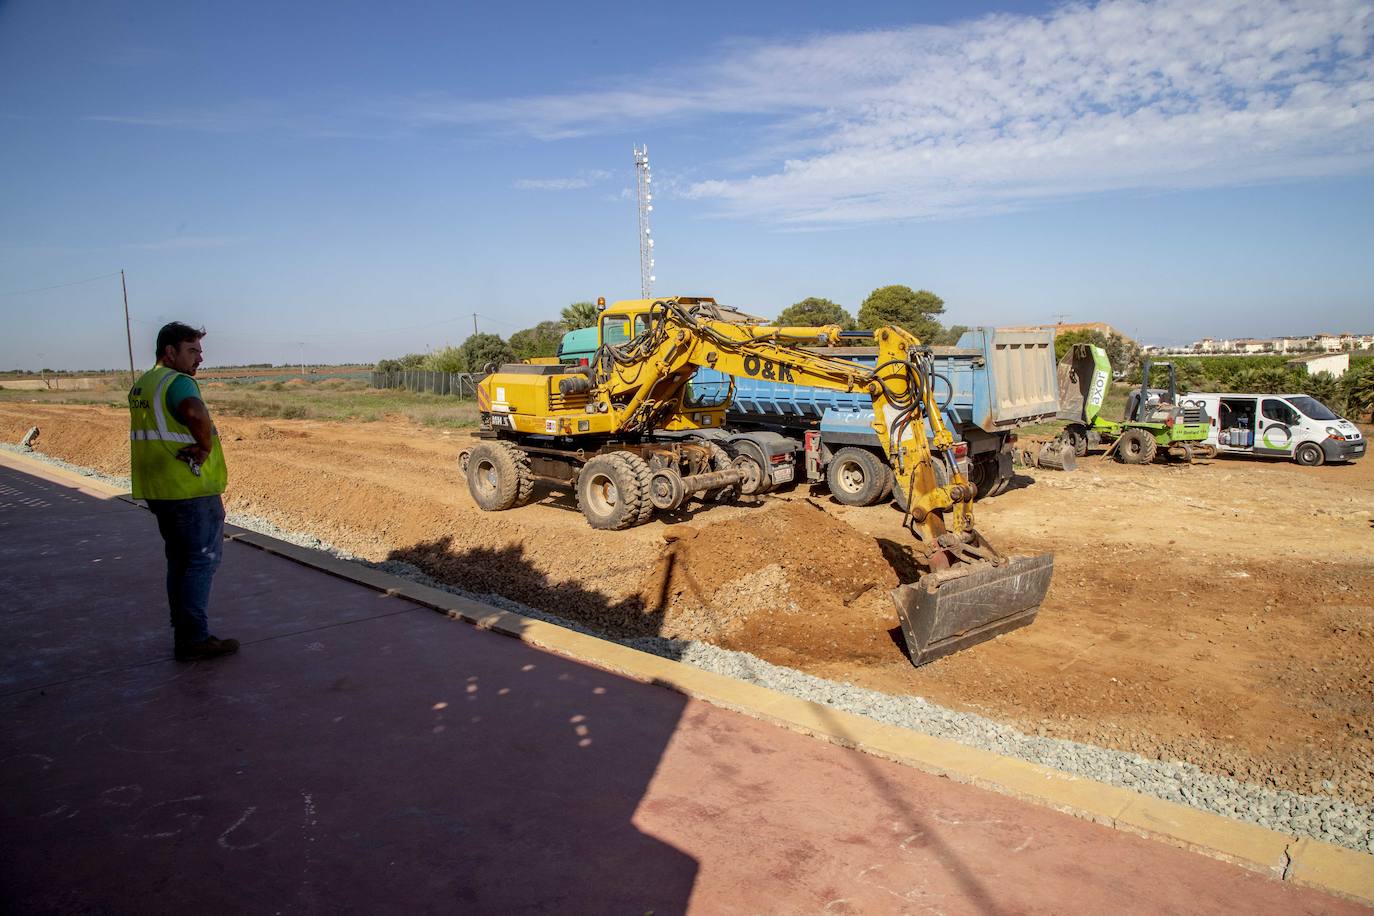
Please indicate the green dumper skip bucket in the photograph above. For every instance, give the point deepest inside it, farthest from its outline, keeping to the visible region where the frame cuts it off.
(956, 608)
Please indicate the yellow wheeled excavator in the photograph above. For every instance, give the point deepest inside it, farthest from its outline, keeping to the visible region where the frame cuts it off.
(630, 436)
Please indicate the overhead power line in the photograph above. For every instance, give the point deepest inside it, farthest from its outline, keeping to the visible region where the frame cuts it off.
(39, 289)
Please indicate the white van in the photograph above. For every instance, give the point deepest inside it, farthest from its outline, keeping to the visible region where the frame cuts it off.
(1280, 425)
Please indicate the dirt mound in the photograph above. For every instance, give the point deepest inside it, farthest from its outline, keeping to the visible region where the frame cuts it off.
(812, 583)
(295, 383)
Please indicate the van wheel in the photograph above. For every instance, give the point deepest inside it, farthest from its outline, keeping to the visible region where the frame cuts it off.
(1137, 446)
(857, 477)
(1309, 455)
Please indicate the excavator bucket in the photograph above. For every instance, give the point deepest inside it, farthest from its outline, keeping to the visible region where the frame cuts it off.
(956, 608)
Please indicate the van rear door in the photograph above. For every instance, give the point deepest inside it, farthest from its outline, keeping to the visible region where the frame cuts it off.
(1276, 421)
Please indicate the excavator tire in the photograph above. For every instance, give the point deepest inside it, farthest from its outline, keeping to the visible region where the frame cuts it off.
(499, 476)
(857, 477)
(611, 494)
(1137, 446)
(645, 474)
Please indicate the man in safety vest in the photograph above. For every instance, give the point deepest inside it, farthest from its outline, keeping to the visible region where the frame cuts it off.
(178, 467)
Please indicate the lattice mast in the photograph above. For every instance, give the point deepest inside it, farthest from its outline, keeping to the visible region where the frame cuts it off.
(644, 198)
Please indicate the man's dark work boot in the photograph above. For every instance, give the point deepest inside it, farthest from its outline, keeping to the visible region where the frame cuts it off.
(209, 648)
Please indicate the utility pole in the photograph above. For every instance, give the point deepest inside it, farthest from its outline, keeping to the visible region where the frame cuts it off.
(302, 343)
(644, 198)
(128, 334)
(474, 324)
(1060, 316)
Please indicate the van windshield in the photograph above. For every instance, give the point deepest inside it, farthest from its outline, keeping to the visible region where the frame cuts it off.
(1312, 408)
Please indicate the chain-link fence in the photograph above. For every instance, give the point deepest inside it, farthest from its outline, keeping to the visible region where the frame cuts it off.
(458, 384)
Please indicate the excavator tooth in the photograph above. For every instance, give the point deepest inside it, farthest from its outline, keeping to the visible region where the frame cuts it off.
(953, 609)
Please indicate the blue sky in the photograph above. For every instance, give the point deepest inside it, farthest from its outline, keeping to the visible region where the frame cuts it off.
(360, 178)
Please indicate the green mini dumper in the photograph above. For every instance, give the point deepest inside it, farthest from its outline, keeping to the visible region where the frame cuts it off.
(1154, 426)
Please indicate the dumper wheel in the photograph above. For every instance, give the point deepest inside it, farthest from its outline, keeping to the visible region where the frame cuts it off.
(610, 493)
(1078, 438)
(857, 477)
(499, 476)
(1137, 446)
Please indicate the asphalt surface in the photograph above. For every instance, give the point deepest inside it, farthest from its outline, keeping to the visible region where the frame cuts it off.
(363, 754)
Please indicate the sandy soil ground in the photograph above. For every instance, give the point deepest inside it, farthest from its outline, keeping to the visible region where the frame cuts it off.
(1221, 614)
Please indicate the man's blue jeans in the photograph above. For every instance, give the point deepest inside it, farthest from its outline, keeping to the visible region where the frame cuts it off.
(193, 532)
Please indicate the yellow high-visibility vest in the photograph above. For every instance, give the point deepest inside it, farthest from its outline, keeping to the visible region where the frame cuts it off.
(155, 437)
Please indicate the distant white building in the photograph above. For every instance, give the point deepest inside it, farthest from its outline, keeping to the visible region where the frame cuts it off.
(1335, 363)
(1328, 343)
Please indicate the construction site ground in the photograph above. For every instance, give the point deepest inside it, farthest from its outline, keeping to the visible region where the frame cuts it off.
(1219, 614)
(364, 754)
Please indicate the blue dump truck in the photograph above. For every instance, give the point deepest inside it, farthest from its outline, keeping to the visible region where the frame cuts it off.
(990, 383)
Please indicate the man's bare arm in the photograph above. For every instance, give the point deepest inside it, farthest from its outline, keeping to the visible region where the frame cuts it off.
(197, 418)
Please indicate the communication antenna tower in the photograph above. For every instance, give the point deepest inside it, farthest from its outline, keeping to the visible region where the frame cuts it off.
(644, 198)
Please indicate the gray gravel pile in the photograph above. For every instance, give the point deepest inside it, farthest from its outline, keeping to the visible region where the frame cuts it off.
(1318, 816)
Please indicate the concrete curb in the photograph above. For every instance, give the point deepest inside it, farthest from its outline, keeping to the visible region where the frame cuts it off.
(1325, 866)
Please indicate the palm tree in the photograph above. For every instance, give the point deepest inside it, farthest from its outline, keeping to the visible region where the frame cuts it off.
(1359, 396)
(579, 315)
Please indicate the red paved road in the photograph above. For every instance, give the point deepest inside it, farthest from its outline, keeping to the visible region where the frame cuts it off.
(362, 754)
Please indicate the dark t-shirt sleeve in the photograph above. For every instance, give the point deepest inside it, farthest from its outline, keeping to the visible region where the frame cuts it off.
(182, 387)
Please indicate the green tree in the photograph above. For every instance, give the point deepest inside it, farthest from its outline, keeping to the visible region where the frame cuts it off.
(1326, 388)
(950, 335)
(1123, 353)
(814, 312)
(409, 361)
(1359, 391)
(449, 359)
(1065, 341)
(482, 350)
(540, 340)
(579, 315)
(1265, 380)
(903, 307)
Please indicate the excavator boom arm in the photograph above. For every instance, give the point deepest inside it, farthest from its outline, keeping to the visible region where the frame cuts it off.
(969, 592)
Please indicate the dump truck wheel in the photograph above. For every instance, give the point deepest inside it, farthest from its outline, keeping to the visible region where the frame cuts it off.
(1309, 455)
(857, 477)
(720, 461)
(983, 475)
(1137, 446)
(1078, 438)
(610, 494)
(499, 476)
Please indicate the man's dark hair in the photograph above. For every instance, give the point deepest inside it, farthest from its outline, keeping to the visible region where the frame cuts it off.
(176, 334)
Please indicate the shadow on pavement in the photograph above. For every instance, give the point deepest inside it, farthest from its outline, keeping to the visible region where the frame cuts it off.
(360, 754)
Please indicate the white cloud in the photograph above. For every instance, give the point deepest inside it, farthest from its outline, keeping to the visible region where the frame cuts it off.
(585, 180)
(1007, 110)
